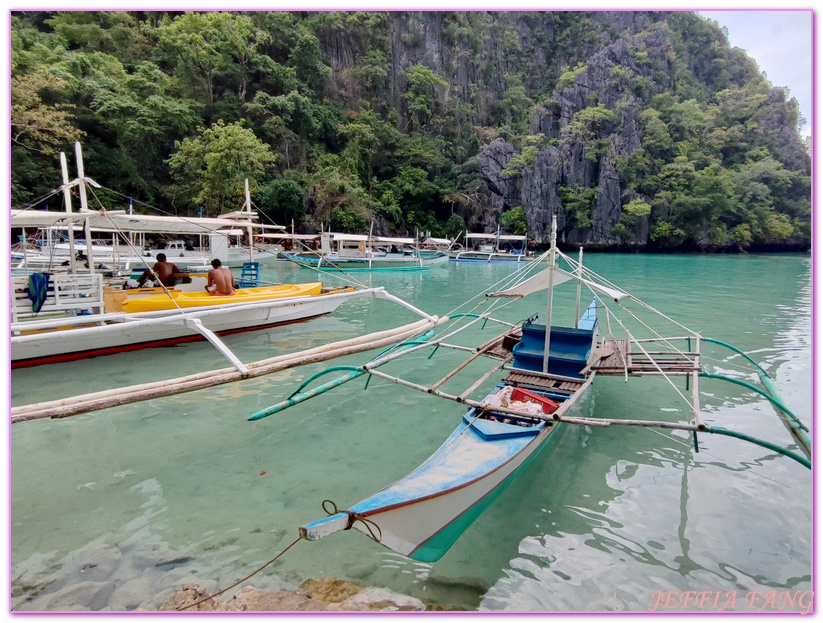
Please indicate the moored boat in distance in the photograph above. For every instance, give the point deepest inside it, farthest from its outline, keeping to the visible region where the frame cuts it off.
(495, 247)
(125, 243)
(354, 252)
(122, 242)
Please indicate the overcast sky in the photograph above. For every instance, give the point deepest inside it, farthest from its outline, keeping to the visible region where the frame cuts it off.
(781, 43)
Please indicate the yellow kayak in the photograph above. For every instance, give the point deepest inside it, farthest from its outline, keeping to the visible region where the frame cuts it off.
(183, 300)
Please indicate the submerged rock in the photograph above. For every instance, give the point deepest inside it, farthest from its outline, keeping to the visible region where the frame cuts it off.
(314, 595)
(191, 594)
(254, 600)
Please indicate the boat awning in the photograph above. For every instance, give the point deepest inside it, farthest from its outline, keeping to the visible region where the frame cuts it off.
(247, 219)
(381, 239)
(495, 236)
(47, 218)
(289, 236)
(274, 227)
(540, 282)
(119, 220)
(349, 237)
(440, 241)
(240, 215)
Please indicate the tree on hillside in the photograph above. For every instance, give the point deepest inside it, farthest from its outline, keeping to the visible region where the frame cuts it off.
(35, 124)
(209, 170)
(205, 48)
(422, 95)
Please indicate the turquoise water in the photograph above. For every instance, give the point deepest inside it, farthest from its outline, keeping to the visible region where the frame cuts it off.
(115, 510)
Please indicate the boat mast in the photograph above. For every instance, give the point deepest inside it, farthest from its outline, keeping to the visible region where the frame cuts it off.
(67, 201)
(579, 288)
(552, 261)
(84, 203)
(369, 244)
(248, 209)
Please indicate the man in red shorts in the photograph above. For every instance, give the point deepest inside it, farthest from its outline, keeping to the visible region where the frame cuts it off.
(221, 281)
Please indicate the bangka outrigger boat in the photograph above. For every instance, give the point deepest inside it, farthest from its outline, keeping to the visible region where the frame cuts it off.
(547, 369)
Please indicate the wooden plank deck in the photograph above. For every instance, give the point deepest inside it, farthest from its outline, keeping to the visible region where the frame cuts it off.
(501, 346)
(540, 381)
(622, 360)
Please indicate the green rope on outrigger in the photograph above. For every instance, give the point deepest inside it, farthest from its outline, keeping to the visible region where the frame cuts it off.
(297, 398)
(775, 401)
(298, 395)
(796, 427)
(760, 442)
(763, 373)
(455, 316)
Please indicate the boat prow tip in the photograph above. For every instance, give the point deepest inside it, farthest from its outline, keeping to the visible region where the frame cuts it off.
(323, 527)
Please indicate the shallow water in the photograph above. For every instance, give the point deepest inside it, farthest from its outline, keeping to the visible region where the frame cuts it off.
(116, 509)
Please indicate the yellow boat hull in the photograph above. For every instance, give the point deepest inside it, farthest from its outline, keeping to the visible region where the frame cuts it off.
(183, 300)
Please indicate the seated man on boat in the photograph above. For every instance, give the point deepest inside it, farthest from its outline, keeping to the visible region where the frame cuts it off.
(221, 281)
(162, 270)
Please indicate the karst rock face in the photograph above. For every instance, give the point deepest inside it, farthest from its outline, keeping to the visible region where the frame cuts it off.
(619, 63)
(567, 164)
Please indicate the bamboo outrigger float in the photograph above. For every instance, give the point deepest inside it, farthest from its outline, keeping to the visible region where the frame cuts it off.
(547, 371)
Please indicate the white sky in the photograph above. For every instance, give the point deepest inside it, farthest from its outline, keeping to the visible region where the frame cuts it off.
(781, 44)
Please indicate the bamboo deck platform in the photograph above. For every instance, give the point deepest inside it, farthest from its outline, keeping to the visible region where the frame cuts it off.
(501, 346)
(621, 360)
(540, 381)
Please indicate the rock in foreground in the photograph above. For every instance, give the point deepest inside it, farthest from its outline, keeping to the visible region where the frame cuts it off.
(315, 595)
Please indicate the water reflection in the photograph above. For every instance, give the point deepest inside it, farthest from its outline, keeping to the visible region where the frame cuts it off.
(112, 509)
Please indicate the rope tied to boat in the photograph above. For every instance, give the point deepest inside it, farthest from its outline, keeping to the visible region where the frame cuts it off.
(355, 517)
(255, 572)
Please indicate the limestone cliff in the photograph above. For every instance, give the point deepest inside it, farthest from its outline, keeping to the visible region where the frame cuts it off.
(570, 68)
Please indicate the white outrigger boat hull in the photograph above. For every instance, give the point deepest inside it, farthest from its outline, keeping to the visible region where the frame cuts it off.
(424, 513)
(79, 337)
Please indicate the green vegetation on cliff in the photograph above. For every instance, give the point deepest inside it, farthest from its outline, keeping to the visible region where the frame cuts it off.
(635, 128)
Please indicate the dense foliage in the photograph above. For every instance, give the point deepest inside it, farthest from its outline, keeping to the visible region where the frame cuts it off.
(339, 118)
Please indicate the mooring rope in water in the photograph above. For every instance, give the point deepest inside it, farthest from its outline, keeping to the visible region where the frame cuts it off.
(243, 580)
(353, 518)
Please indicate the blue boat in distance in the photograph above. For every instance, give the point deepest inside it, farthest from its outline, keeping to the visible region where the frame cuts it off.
(354, 252)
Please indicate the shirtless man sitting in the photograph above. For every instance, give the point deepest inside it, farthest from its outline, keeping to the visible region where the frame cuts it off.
(163, 270)
(221, 281)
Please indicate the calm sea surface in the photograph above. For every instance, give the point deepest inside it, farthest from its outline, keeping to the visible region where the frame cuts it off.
(116, 509)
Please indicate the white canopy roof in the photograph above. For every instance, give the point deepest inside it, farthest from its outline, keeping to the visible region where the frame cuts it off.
(276, 227)
(380, 239)
(495, 236)
(119, 220)
(364, 238)
(285, 236)
(46, 218)
(243, 215)
(349, 237)
(540, 281)
(442, 241)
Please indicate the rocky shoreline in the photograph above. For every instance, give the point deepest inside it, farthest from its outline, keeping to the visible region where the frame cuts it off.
(314, 595)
